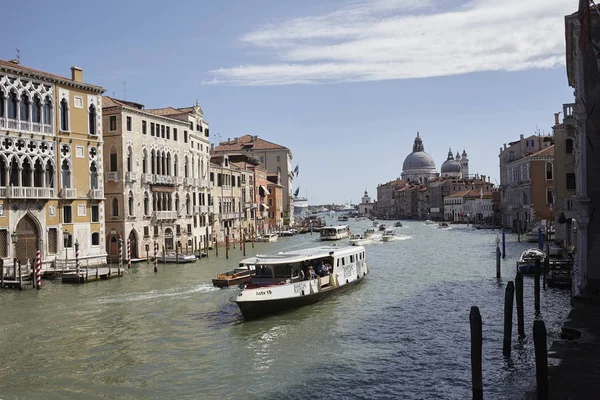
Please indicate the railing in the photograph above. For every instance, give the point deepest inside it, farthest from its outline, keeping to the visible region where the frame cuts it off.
(147, 178)
(203, 209)
(196, 209)
(21, 192)
(68, 193)
(164, 180)
(226, 187)
(188, 181)
(179, 180)
(164, 215)
(202, 183)
(131, 177)
(13, 124)
(112, 176)
(96, 194)
(25, 126)
(230, 215)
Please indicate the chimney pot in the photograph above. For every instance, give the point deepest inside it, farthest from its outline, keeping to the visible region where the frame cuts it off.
(76, 74)
(556, 120)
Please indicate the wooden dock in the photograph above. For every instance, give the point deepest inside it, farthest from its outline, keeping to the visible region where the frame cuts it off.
(90, 275)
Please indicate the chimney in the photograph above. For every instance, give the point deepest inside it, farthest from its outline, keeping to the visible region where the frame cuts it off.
(212, 147)
(483, 177)
(504, 146)
(76, 74)
(556, 121)
(228, 140)
(14, 61)
(255, 138)
(522, 137)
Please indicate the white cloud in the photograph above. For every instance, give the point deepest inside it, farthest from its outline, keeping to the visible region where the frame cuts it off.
(397, 39)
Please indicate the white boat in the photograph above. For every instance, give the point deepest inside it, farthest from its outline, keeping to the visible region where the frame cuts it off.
(359, 240)
(300, 205)
(279, 285)
(335, 232)
(173, 258)
(267, 237)
(526, 263)
(429, 222)
(369, 232)
(290, 232)
(388, 235)
(343, 218)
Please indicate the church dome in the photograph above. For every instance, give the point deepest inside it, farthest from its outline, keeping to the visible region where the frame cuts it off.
(418, 159)
(451, 166)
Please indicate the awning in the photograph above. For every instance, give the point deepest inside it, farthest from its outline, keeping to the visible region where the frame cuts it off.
(266, 207)
(265, 190)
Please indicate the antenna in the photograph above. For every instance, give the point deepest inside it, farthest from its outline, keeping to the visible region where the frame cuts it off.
(19, 56)
(125, 90)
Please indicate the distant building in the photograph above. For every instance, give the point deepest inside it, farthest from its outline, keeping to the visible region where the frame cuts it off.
(366, 206)
(418, 166)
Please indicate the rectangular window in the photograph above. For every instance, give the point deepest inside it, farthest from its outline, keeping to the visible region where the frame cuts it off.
(198, 127)
(146, 232)
(151, 128)
(571, 185)
(95, 239)
(219, 180)
(52, 240)
(175, 134)
(278, 169)
(191, 125)
(129, 124)
(569, 146)
(4, 243)
(262, 159)
(113, 162)
(67, 215)
(185, 137)
(112, 126)
(95, 213)
(168, 132)
(162, 131)
(178, 229)
(189, 228)
(278, 158)
(144, 127)
(155, 231)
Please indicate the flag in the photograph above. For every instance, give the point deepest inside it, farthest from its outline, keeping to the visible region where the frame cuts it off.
(296, 192)
(296, 170)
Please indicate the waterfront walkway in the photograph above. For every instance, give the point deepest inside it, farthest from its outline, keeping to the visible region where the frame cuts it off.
(577, 376)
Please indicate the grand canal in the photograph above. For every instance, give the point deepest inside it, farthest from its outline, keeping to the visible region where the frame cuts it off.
(402, 333)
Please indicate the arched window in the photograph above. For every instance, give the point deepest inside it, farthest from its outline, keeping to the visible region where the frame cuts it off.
(96, 239)
(47, 111)
(163, 161)
(12, 105)
(146, 204)
(131, 204)
(185, 167)
(36, 110)
(549, 171)
(175, 165)
(129, 160)
(24, 107)
(64, 115)
(38, 174)
(93, 176)
(187, 205)
(153, 162)
(26, 173)
(115, 207)
(66, 174)
(549, 196)
(114, 160)
(177, 202)
(144, 162)
(168, 163)
(49, 174)
(92, 119)
(1, 104)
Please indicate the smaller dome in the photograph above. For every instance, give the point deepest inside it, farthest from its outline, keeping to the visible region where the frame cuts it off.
(457, 156)
(450, 167)
(464, 154)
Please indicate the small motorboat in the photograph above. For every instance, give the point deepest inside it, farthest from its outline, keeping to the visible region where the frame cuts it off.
(267, 237)
(382, 227)
(172, 258)
(236, 277)
(388, 235)
(398, 224)
(429, 222)
(290, 232)
(359, 240)
(526, 263)
(444, 225)
(369, 232)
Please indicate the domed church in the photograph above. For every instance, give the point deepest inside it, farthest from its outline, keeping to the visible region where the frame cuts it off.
(451, 168)
(419, 166)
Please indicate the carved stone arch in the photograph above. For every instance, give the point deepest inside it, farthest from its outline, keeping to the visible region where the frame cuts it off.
(133, 238)
(29, 234)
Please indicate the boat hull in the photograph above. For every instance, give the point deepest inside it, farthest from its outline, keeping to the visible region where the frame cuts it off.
(387, 238)
(222, 283)
(360, 242)
(256, 309)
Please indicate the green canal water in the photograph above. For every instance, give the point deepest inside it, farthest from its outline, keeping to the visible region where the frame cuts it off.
(402, 333)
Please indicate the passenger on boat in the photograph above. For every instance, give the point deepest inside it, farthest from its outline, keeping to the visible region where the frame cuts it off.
(301, 274)
(312, 273)
(324, 269)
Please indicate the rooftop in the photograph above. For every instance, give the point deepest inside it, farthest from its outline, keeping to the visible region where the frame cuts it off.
(246, 142)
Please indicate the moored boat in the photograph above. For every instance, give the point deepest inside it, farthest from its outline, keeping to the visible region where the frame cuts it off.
(369, 232)
(343, 218)
(240, 275)
(279, 282)
(172, 258)
(335, 232)
(388, 235)
(443, 225)
(267, 237)
(359, 240)
(526, 263)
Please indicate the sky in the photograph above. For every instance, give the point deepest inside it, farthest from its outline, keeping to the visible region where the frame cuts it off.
(344, 84)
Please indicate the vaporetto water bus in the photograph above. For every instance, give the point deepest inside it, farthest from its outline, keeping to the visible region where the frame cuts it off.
(293, 279)
(335, 232)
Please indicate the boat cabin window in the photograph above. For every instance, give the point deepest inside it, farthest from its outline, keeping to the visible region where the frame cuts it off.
(264, 271)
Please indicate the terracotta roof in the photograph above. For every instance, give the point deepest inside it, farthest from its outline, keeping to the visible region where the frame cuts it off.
(108, 101)
(462, 193)
(18, 67)
(547, 152)
(247, 142)
(165, 111)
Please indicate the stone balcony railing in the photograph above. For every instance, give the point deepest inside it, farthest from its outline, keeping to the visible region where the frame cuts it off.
(179, 180)
(25, 126)
(230, 215)
(23, 192)
(96, 194)
(164, 215)
(147, 178)
(202, 183)
(112, 176)
(203, 209)
(68, 193)
(164, 180)
(131, 177)
(188, 182)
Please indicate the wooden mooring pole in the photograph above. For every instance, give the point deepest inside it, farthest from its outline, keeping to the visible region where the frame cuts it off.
(227, 247)
(244, 243)
(476, 352)
(541, 359)
(536, 285)
(20, 277)
(216, 247)
(508, 317)
(546, 264)
(519, 296)
(498, 274)
(1, 273)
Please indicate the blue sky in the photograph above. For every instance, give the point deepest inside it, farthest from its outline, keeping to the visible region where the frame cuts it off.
(344, 84)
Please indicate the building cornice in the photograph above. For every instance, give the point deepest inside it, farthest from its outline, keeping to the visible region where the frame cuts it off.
(56, 80)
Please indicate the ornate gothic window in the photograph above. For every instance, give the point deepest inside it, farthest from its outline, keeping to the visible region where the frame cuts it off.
(49, 174)
(92, 119)
(24, 107)
(36, 110)
(549, 171)
(146, 204)
(129, 160)
(144, 162)
(1, 103)
(66, 174)
(64, 115)
(12, 105)
(131, 204)
(47, 111)
(115, 207)
(114, 161)
(93, 176)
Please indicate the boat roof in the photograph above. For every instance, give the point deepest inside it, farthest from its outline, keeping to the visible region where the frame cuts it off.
(302, 254)
(335, 227)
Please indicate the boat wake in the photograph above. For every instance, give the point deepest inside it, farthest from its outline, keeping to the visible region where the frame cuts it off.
(155, 294)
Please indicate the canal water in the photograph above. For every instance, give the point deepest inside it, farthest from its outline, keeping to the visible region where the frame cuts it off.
(401, 333)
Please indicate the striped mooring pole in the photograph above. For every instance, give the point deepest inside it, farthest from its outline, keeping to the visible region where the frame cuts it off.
(128, 253)
(38, 271)
(120, 252)
(77, 258)
(155, 256)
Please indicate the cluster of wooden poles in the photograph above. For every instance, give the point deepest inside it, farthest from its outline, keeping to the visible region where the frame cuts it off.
(539, 334)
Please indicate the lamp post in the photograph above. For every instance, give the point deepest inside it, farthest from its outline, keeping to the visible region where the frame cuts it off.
(497, 256)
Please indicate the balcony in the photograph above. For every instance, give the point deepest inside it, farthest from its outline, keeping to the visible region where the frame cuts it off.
(25, 126)
(147, 178)
(188, 182)
(164, 215)
(164, 180)
(112, 176)
(230, 215)
(202, 183)
(22, 192)
(96, 194)
(196, 209)
(179, 180)
(203, 209)
(68, 193)
(131, 177)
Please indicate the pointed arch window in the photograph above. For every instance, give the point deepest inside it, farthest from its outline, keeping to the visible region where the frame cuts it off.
(549, 172)
(144, 162)
(24, 106)
(49, 174)
(92, 119)
(129, 159)
(3, 171)
(114, 164)
(175, 165)
(36, 110)
(187, 205)
(153, 162)
(2, 110)
(146, 204)
(549, 196)
(93, 176)
(131, 204)
(12, 105)
(26, 173)
(177, 202)
(47, 111)
(64, 115)
(38, 174)
(66, 174)
(114, 207)
(185, 168)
